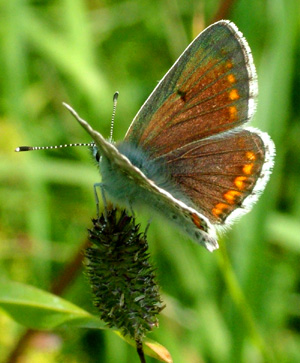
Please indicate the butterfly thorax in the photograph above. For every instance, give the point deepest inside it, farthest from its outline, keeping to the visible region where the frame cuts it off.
(122, 185)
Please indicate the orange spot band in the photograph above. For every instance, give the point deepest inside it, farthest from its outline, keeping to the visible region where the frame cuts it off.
(234, 95)
(233, 112)
(231, 196)
(196, 220)
(240, 182)
(248, 168)
(219, 209)
(250, 155)
(231, 78)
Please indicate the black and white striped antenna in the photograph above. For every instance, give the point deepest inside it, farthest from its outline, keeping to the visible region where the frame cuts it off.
(89, 144)
(115, 101)
(30, 148)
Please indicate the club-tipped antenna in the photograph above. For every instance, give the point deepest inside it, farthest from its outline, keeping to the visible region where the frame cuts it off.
(74, 113)
(31, 148)
(115, 101)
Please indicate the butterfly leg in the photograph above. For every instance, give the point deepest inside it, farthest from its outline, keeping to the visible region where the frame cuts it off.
(131, 210)
(101, 186)
(148, 225)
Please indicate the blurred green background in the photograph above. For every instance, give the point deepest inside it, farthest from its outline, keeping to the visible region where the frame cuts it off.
(80, 52)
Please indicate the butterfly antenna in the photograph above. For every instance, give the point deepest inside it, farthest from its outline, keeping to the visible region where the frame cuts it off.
(115, 100)
(30, 148)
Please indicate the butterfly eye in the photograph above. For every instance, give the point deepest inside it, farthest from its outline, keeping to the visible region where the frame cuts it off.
(97, 156)
(95, 153)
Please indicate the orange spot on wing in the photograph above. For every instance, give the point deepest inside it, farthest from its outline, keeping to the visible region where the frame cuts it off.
(234, 95)
(250, 155)
(219, 209)
(248, 168)
(229, 65)
(231, 78)
(233, 112)
(240, 182)
(196, 220)
(231, 196)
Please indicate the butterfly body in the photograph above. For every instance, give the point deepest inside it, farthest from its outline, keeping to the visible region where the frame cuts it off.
(186, 154)
(132, 180)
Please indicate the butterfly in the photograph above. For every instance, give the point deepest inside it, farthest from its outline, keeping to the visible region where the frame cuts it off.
(187, 154)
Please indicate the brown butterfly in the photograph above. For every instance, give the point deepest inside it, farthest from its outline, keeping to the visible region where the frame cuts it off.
(187, 154)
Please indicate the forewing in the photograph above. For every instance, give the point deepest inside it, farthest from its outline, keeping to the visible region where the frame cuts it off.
(210, 89)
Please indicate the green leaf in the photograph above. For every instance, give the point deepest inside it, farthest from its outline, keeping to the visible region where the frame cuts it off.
(37, 309)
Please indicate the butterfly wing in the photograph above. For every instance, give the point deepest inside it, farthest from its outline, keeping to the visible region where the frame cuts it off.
(223, 176)
(193, 120)
(210, 89)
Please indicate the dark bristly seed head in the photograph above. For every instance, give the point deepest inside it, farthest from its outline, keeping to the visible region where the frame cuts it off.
(121, 277)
